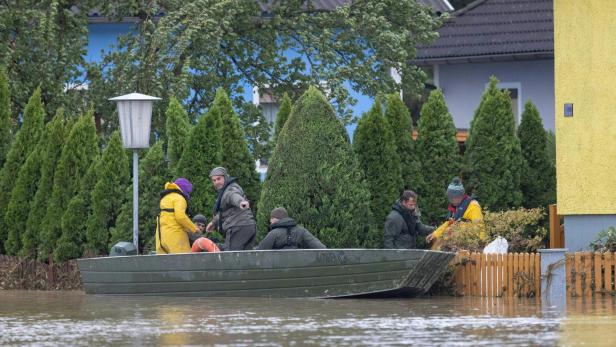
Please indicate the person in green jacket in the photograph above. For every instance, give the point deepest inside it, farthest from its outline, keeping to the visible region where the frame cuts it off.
(403, 225)
(286, 234)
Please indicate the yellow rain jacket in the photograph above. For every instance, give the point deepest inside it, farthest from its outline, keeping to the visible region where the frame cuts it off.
(173, 224)
(472, 214)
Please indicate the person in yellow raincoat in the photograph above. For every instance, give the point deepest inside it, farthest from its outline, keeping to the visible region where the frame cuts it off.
(173, 223)
(462, 209)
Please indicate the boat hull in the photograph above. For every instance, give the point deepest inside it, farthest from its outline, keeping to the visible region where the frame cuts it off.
(287, 273)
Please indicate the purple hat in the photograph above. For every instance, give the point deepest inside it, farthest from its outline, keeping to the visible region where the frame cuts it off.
(184, 185)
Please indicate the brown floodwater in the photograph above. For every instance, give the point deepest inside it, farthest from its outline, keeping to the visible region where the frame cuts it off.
(35, 318)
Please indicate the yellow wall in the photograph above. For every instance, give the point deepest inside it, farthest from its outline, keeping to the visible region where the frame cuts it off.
(585, 75)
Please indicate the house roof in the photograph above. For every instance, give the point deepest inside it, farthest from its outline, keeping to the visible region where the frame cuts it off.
(438, 6)
(494, 30)
(326, 5)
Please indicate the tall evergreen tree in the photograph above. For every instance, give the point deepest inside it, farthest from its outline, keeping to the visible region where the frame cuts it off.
(315, 175)
(235, 155)
(25, 141)
(153, 173)
(177, 129)
(74, 221)
(202, 153)
(399, 119)
(80, 149)
(281, 117)
(55, 132)
(375, 147)
(493, 158)
(108, 196)
(439, 156)
(538, 180)
(6, 135)
(257, 131)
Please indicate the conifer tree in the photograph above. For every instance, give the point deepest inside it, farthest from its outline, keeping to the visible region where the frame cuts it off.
(439, 156)
(399, 119)
(177, 129)
(108, 196)
(493, 158)
(281, 117)
(6, 135)
(25, 141)
(315, 175)
(202, 153)
(235, 155)
(74, 221)
(375, 147)
(55, 131)
(153, 173)
(79, 151)
(538, 179)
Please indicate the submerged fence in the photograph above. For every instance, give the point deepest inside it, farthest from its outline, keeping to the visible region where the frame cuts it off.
(497, 275)
(588, 274)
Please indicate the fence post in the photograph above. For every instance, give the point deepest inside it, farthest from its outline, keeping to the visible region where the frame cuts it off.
(553, 283)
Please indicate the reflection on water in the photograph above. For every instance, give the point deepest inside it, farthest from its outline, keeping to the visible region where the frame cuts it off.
(72, 318)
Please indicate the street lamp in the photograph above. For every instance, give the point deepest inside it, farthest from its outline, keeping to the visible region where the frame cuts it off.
(135, 112)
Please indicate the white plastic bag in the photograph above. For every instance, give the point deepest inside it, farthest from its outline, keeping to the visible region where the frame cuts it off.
(498, 246)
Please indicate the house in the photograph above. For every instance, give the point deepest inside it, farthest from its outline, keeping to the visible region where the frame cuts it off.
(511, 39)
(585, 126)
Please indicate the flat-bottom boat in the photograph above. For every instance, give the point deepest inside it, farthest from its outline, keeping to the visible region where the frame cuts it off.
(318, 273)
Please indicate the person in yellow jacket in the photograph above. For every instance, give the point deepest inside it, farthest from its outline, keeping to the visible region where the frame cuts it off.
(173, 224)
(462, 209)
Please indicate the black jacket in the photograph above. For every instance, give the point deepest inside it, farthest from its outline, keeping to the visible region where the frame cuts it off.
(402, 228)
(286, 234)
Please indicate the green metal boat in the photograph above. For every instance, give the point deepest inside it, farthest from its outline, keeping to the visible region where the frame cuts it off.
(322, 273)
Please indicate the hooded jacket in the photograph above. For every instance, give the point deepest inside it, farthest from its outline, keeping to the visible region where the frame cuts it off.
(402, 228)
(286, 234)
(173, 226)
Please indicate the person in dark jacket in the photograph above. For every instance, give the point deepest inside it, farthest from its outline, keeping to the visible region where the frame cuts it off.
(286, 234)
(402, 225)
(232, 214)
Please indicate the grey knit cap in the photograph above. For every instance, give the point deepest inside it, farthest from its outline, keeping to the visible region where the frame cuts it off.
(455, 188)
(219, 171)
(199, 219)
(279, 213)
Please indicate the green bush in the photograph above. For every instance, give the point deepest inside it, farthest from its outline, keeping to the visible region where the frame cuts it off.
(75, 220)
(25, 141)
(314, 173)
(375, 146)
(493, 158)
(107, 196)
(177, 129)
(202, 153)
(538, 179)
(401, 124)
(235, 155)
(439, 157)
(281, 117)
(522, 228)
(56, 131)
(6, 135)
(80, 149)
(605, 241)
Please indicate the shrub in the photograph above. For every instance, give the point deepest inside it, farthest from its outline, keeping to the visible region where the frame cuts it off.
(605, 241)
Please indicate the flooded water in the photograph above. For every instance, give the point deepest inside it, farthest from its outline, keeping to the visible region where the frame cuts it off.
(76, 319)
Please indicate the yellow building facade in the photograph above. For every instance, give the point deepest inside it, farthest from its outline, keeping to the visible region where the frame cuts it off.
(585, 104)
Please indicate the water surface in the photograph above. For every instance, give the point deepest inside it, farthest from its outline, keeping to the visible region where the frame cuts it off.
(75, 319)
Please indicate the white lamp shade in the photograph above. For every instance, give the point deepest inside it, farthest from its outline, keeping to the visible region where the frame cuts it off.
(135, 112)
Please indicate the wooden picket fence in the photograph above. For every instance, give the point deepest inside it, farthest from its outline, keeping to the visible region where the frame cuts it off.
(590, 274)
(497, 275)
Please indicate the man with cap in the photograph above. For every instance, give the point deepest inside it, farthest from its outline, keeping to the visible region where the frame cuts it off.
(173, 224)
(402, 225)
(232, 214)
(462, 209)
(286, 234)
